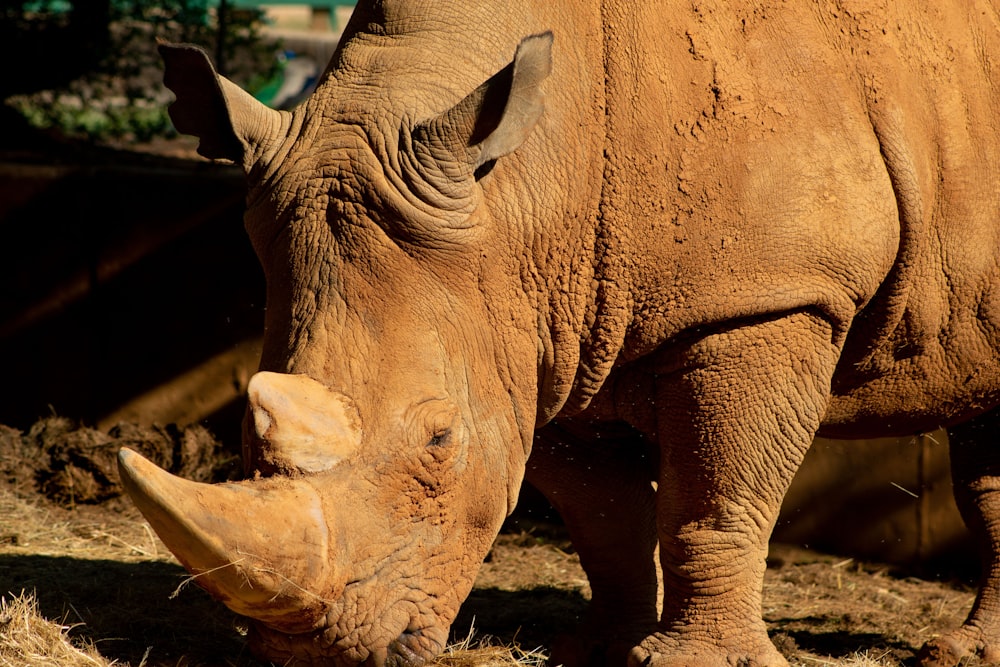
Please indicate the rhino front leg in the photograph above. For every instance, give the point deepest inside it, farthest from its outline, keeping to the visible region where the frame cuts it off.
(975, 471)
(600, 479)
(737, 412)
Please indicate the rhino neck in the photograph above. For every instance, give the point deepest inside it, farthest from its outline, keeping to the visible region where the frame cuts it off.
(569, 256)
(582, 341)
(584, 302)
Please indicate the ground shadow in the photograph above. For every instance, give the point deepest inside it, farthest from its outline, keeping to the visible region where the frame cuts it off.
(126, 610)
(529, 618)
(819, 638)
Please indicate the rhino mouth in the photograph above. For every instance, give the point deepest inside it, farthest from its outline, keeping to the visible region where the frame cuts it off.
(411, 648)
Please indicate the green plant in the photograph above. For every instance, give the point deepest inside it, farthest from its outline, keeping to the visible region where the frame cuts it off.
(121, 97)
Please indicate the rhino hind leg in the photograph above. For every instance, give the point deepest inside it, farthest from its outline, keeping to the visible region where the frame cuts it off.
(737, 411)
(975, 463)
(600, 479)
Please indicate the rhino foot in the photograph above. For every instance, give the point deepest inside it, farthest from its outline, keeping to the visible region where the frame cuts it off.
(957, 647)
(657, 651)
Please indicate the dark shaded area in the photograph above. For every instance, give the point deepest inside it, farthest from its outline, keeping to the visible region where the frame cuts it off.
(127, 270)
(842, 644)
(48, 49)
(885, 499)
(530, 618)
(126, 608)
(824, 532)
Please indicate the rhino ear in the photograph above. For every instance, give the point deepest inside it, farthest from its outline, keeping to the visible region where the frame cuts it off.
(498, 116)
(231, 124)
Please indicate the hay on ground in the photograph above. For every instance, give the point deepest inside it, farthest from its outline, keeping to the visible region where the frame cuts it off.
(27, 639)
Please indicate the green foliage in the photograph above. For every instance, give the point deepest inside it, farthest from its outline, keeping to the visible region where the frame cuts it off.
(121, 96)
(134, 121)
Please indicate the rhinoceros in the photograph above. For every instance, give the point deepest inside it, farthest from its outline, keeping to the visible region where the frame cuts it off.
(639, 253)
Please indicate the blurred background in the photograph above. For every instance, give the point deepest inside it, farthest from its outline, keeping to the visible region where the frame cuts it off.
(129, 292)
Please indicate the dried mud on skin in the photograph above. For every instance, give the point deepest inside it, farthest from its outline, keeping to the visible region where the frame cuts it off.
(82, 573)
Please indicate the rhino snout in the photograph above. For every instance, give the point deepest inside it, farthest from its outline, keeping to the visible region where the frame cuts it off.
(295, 423)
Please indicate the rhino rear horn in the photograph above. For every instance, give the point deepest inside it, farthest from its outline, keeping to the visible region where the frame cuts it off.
(497, 117)
(230, 123)
(297, 425)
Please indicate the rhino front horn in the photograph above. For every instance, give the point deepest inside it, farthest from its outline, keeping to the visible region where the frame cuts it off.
(260, 547)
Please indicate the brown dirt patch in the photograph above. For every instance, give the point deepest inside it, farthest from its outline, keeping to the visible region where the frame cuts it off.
(70, 464)
(96, 570)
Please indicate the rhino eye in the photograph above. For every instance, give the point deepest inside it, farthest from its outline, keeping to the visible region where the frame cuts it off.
(443, 435)
(441, 428)
(439, 439)
(432, 423)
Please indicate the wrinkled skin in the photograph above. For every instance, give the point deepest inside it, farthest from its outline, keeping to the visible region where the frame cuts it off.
(678, 242)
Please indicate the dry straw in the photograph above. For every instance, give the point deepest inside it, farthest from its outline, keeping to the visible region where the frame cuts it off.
(27, 639)
(483, 652)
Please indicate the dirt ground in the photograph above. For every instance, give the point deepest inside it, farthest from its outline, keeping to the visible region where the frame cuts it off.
(84, 561)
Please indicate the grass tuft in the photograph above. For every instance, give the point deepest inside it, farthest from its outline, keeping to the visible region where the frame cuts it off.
(483, 652)
(27, 639)
(869, 658)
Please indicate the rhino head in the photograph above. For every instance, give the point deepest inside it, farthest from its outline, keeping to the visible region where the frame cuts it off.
(386, 433)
